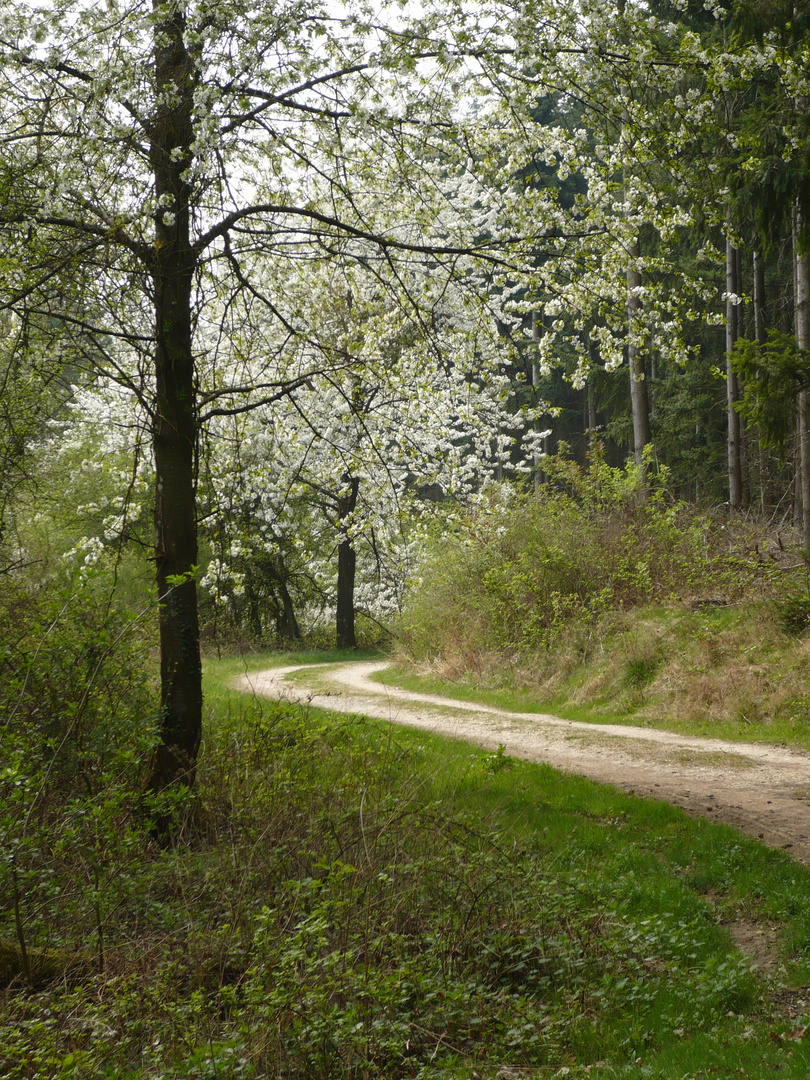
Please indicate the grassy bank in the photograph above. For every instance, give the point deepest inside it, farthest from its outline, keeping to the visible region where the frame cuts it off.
(728, 671)
(590, 604)
(353, 900)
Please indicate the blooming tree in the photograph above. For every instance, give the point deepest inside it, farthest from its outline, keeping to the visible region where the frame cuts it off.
(353, 450)
(152, 151)
(158, 156)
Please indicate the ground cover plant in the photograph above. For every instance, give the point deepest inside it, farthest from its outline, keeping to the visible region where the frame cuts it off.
(352, 900)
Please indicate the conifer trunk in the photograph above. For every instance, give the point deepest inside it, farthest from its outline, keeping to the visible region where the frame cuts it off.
(802, 331)
(639, 396)
(537, 322)
(760, 336)
(347, 564)
(639, 392)
(734, 439)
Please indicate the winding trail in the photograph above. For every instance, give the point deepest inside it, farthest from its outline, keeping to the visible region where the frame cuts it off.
(762, 790)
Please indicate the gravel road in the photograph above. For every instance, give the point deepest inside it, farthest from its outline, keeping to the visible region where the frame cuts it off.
(762, 790)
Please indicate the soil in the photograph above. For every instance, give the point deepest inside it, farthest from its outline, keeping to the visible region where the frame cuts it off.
(761, 790)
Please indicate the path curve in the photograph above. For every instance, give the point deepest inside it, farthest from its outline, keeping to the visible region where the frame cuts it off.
(762, 790)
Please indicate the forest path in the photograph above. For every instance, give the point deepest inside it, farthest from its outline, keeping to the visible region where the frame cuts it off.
(762, 790)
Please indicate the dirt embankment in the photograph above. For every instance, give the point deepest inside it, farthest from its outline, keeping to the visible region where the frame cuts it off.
(762, 790)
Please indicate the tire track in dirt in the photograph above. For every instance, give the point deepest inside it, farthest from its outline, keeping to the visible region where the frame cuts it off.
(762, 790)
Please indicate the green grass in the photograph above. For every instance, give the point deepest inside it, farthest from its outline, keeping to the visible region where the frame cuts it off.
(358, 900)
(220, 672)
(513, 700)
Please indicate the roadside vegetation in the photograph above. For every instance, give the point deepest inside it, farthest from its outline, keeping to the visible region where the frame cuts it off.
(593, 603)
(340, 899)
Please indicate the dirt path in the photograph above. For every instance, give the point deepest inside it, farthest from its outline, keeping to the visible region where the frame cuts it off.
(762, 790)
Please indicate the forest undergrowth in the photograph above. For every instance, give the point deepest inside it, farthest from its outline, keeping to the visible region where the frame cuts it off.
(345, 899)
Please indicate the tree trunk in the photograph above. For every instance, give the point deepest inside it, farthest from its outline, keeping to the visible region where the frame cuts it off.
(639, 391)
(760, 336)
(254, 611)
(287, 627)
(175, 425)
(803, 471)
(802, 330)
(289, 630)
(734, 440)
(537, 323)
(639, 397)
(347, 564)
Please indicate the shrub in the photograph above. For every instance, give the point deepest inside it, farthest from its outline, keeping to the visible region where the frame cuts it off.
(793, 613)
(76, 721)
(73, 686)
(361, 903)
(515, 577)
